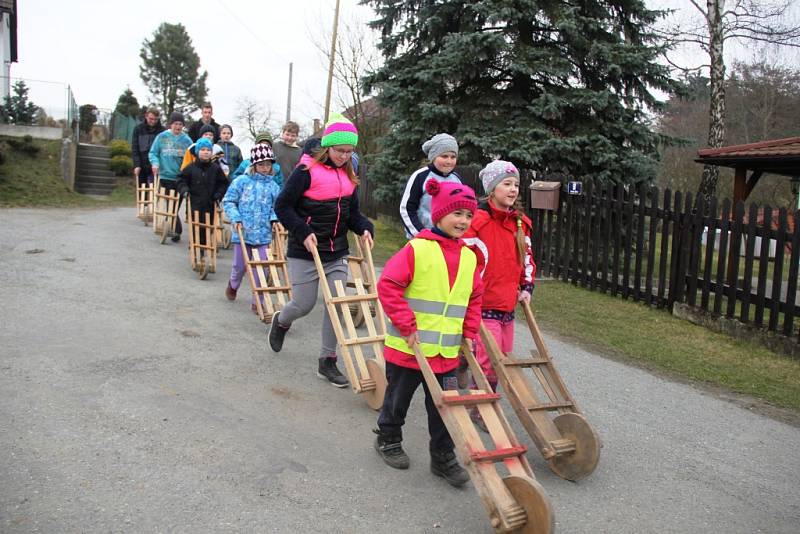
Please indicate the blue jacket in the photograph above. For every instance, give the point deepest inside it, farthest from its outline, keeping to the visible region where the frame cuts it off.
(167, 153)
(277, 175)
(250, 200)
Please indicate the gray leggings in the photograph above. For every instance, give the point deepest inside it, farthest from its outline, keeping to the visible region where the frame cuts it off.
(305, 284)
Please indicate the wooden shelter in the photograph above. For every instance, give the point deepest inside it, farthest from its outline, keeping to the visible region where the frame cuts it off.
(776, 156)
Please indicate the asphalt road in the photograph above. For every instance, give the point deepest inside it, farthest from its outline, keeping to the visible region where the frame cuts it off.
(135, 398)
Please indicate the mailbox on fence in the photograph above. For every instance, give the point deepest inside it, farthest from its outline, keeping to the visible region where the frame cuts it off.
(544, 195)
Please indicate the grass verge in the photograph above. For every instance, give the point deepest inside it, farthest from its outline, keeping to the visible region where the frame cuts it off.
(35, 181)
(657, 340)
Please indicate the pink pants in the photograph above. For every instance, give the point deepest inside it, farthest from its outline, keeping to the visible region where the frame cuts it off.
(504, 336)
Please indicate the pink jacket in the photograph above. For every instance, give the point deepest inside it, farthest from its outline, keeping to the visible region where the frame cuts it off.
(398, 274)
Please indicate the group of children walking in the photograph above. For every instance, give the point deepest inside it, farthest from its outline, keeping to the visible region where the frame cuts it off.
(468, 260)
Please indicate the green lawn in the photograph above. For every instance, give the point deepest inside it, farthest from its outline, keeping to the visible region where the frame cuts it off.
(658, 340)
(35, 181)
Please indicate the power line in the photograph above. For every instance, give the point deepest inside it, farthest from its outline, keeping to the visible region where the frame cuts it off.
(253, 34)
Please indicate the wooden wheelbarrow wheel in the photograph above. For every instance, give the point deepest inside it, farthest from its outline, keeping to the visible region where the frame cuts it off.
(579, 464)
(375, 396)
(203, 268)
(226, 238)
(530, 495)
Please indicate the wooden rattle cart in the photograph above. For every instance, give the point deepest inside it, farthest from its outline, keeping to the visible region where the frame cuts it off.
(202, 256)
(359, 271)
(165, 211)
(367, 376)
(144, 201)
(568, 442)
(223, 231)
(516, 502)
(273, 289)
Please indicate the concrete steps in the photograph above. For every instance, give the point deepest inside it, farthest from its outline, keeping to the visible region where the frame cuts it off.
(92, 175)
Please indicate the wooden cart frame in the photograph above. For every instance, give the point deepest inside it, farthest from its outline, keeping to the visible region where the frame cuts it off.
(144, 201)
(515, 503)
(165, 211)
(568, 442)
(202, 258)
(367, 376)
(274, 289)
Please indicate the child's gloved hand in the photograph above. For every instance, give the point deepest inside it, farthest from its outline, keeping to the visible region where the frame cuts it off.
(524, 296)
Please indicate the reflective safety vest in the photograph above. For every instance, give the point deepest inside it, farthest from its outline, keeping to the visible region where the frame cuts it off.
(438, 309)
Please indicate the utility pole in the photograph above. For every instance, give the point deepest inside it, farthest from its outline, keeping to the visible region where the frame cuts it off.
(289, 96)
(330, 64)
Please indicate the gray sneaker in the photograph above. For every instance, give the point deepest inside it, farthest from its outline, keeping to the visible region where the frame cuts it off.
(328, 371)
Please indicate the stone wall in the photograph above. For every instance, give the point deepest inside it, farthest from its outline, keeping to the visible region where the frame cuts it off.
(37, 132)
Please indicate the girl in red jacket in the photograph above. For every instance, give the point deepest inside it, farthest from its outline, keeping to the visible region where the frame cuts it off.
(500, 232)
(431, 293)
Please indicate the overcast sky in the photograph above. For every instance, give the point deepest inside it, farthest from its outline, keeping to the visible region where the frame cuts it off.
(245, 45)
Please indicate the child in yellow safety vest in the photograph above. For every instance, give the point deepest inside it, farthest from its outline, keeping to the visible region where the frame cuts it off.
(431, 292)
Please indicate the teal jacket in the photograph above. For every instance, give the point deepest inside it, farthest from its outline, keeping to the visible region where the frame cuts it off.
(166, 153)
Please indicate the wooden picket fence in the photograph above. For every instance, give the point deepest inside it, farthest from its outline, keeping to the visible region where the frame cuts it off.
(638, 243)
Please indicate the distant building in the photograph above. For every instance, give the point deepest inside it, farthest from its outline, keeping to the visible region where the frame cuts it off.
(8, 43)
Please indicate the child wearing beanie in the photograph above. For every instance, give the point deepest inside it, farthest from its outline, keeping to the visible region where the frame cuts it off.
(501, 234)
(207, 131)
(231, 154)
(165, 158)
(425, 287)
(318, 206)
(415, 206)
(250, 205)
(203, 182)
(263, 138)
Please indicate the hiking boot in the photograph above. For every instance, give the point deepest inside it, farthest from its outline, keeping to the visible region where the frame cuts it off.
(391, 450)
(444, 464)
(475, 415)
(230, 293)
(276, 334)
(328, 371)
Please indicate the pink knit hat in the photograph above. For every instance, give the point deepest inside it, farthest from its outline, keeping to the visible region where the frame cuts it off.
(449, 196)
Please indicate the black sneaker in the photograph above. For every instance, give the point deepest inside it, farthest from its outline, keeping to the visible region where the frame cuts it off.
(175, 238)
(444, 464)
(328, 371)
(276, 333)
(391, 450)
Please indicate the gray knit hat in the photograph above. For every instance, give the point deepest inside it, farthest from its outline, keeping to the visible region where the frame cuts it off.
(176, 116)
(496, 172)
(439, 144)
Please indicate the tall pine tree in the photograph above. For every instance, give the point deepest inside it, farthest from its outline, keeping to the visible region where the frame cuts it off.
(170, 69)
(551, 85)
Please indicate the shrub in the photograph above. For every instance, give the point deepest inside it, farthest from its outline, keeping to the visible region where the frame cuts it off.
(120, 147)
(24, 146)
(121, 165)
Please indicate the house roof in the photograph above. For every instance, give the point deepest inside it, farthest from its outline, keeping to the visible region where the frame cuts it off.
(777, 156)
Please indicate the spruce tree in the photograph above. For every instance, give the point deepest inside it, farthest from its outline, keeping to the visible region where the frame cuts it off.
(170, 69)
(550, 85)
(127, 104)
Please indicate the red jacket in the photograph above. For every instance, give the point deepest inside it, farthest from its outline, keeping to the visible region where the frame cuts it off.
(396, 277)
(492, 235)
